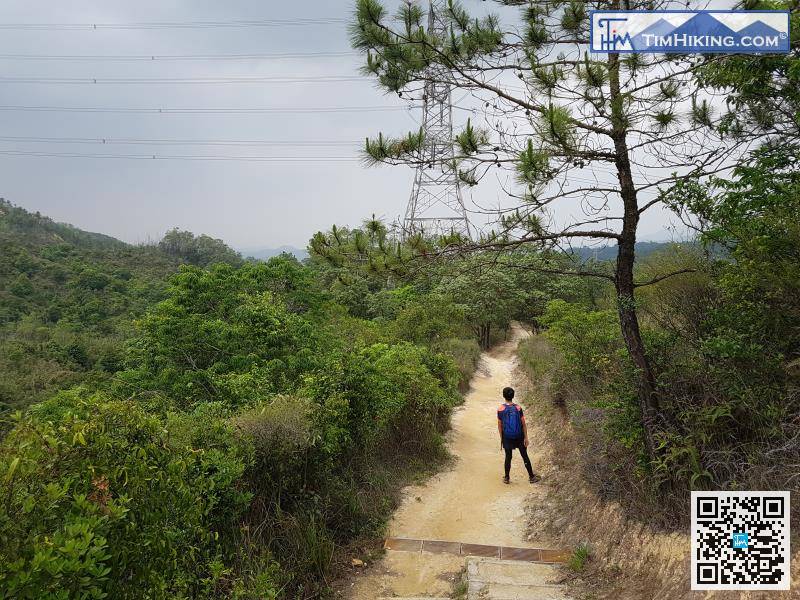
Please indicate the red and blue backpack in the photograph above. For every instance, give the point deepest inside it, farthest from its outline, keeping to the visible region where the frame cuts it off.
(512, 421)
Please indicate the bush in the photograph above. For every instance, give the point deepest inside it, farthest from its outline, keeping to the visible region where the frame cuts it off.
(590, 340)
(281, 434)
(592, 379)
(396, 396)
(218, 338)
(429, 318)
(465, 354)
(101, 500)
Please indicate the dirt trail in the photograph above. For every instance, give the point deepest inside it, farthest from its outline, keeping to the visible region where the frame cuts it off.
(468, 503)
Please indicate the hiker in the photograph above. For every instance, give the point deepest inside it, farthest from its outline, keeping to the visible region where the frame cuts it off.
(513, 433)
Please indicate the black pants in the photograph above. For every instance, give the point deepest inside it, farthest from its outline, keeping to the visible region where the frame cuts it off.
(508, 446)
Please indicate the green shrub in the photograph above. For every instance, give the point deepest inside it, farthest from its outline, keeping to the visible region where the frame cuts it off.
(429, 318)
(217, 337)
(281, 434)
(590, 340)
(580, 556)
(537, 356)
(465, 354)
(101, 500)
(387, 396)
(410, 398)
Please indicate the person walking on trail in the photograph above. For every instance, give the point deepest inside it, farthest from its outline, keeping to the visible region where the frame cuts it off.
(513, 433)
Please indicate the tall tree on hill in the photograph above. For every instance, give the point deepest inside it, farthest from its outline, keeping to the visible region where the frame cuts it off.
(594, 134)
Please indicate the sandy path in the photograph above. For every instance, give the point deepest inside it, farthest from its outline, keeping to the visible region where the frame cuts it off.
(468, 503)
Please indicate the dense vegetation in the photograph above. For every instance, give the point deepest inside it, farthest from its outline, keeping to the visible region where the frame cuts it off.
(725, 340)
(258, 415)
(68, 298)
(682, 372)
(179, 422)
(225, 427)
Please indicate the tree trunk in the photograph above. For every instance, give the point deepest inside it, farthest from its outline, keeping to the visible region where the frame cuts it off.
(484, 337)
(623, 276)
(629, 323)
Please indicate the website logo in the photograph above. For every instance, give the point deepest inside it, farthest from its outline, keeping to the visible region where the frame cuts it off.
(740, 541)
(688, 32)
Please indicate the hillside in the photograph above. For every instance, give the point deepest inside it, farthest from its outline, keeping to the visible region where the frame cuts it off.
(265, 414)
(34, 229)
(68, 297)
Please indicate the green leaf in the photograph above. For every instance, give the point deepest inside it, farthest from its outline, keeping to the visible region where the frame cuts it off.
(12, 467)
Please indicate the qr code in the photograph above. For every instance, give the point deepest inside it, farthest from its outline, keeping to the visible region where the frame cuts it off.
(740, 541)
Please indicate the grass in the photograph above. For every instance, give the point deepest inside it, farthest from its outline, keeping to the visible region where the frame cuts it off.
(537, 357)
(580, 556)
(460, 590)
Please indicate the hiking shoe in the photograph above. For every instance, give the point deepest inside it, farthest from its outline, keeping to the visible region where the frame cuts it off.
(534, 479)
(506, 480)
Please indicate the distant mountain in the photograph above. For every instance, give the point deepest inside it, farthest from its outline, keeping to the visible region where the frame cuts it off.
(604, 253)
(267, 253)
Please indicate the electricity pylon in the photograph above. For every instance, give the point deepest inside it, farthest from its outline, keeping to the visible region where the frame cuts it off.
(436, 205)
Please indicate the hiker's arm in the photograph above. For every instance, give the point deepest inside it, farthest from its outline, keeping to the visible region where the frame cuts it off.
(500, 429)
(525, 430)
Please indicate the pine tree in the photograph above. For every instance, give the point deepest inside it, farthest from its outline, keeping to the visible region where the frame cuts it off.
(605, 132)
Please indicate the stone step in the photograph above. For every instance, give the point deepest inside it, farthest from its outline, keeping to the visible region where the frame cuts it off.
(510, 572)
(542, 555)
(518, 592)
(496, 579)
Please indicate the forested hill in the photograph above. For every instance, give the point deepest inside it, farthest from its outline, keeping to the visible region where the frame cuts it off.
(34, 229)
(52, 272)
(68, 297)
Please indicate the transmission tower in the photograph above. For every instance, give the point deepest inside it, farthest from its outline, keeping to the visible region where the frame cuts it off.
(436, 205)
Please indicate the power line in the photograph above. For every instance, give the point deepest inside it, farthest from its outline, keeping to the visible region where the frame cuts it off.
(186, 157)
(301, 22)
(180, 80)
(205, 111)
(179, 142)
(173, 57)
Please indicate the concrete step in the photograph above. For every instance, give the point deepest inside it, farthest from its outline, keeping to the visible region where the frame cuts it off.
(494, 579)
(519, 592)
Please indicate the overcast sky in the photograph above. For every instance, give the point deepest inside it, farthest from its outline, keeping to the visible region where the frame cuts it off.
(248, 204)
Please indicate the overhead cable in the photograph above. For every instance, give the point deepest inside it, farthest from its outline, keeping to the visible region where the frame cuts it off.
(172, 57)
(179, 80)
(205, 111)
(236, 24)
